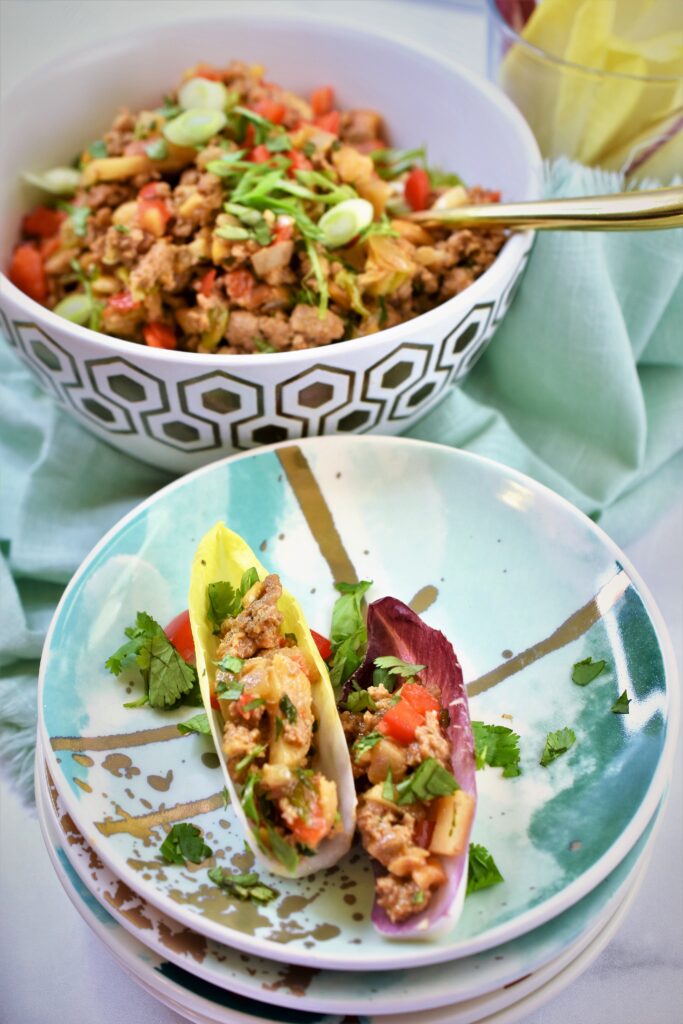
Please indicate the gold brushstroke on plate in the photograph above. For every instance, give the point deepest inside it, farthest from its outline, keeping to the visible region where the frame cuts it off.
(83, 759)
(293, 978)
(144, 826)
(185, 942)
(119, 900)
(83, 785)
(117, 741)
(120, 765)
(162, 783)
(571, 629)
(424, 599)
(317, 513)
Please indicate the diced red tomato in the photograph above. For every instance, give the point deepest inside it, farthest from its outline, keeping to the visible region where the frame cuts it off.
(323, 644)
(250, 136)
(122, 302)
(299, 162)
(322, 100)
(417, 189)
(43, 222)
(242, 701)
(329, 122)
(260, 155)
(27, 272)
(153, 211)
(48, 247)
(159, 336)
(283, 232)
(311, 830)
(215, 703)
(179, 632)
(207, 282)
(420, 698)
(149, 191)
(271, 110)
(240, 284)
(423, 833)
(400, 722)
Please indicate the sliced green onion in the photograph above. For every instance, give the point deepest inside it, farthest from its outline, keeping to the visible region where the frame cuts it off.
(344, 221)
(194, 127)
(77, 308)
(232, 233)
(203, 94)
(60, 181)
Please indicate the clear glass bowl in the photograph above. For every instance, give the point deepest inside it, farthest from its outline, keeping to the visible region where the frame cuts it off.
(604, 118)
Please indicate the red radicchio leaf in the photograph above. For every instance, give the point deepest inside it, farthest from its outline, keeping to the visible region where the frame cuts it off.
(394, 629)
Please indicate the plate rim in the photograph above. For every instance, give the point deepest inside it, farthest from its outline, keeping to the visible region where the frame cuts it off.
(419, 953)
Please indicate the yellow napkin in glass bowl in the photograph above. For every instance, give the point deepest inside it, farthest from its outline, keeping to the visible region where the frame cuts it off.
(605, 121)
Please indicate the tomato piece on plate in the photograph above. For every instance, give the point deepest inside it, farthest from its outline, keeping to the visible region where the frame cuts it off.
(271, 110)
(400, 722)
(260, 155)
(27, 272)
(179, 632)
(159, 336)
(329, 122)
(420, 698)
(299, 162)
(417, 189)
(42, 222)
(323, 644)
(311, 829)
(122, 302)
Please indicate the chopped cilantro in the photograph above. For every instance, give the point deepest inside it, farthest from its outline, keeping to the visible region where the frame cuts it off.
(261, 344)
(365, 743)
(348, 635)
(557, 743)
(157, 149)
(279, 143)
(98, 149)
(243, 887)
(584, 672)
(226, 798)
(498, 746)
(621, 705)
(78, 217)
(229, 690)
(429, 780)
(258, 750)
(388, 787)
(482, 869)
(122, 229)
(184, 842)
(248, 798)
(390, 163)
(166, 675)
(443, 179)
(139, 703)
(225, 602)
(288, 709)
(169, 109)
(200, 723)
(251, 705)
(360, 700)
(278, 727)
(418, 897)
(388, 666)
(282, 850)
(229, 663)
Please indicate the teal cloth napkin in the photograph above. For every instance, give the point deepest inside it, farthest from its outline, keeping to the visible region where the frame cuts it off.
(582, 388)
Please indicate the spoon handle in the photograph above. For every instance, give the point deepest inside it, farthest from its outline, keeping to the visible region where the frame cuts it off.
(625, 211)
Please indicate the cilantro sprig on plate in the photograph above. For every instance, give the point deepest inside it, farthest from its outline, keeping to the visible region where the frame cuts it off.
(557, 743)
(185, 843)
(497, 746)
(483, 871)
(167, 677)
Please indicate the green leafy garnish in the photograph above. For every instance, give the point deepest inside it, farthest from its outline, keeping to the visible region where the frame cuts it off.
(390, 163)
(557, 743)
(122, 229)
(498, 746)
(278, 727)
(279, 143)
(288, 709)
(388, 788)
(139, 703)
(157, 149)
(258, 750)
(184, 842)
(243, 887)
(584, 672)
(248, 798)
(251, 705)
(621, 705)
(98, 149)
(365, 743)
(261, 345)
(226, 798)
(285, 853)
(427, 782)
(443, 179)
(229, 690)
(225, 602)
(418, 897)
(348, 635)
(78, 217)
(166, 675)
(388, 666)
(200, 724)
(229, 663)
(482, 869)
(360, 700)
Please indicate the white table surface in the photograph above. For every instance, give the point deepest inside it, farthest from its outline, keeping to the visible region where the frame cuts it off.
(52, 969)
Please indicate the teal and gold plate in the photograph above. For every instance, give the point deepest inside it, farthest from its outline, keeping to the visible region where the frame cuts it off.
(524, 586)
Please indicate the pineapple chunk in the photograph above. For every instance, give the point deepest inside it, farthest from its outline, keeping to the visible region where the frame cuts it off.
(453, 818)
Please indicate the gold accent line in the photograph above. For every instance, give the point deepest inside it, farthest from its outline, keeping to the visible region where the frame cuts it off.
(118, 741)
(574, 627)
(141, 826)
(317, 513)
(424, 599)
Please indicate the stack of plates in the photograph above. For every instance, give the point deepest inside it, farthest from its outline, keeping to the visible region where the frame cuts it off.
(522, 584)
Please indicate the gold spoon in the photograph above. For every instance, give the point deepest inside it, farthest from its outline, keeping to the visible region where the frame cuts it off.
(623, 211)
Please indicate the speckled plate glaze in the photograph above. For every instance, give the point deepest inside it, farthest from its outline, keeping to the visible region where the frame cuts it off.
(185, 992)
(521, 582)
(387, 992)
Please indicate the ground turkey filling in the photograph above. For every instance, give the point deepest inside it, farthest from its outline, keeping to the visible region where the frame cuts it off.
(407, 839)
(156, 256)
(268, 738)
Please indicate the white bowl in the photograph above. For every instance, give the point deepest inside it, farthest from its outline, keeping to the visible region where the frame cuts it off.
(179, 410)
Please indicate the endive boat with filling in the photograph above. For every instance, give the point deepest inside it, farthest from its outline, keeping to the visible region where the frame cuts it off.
(272, 710)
